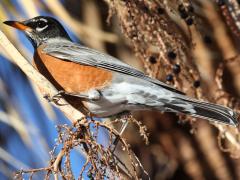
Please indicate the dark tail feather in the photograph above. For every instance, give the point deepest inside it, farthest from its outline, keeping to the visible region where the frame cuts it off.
(205, 110)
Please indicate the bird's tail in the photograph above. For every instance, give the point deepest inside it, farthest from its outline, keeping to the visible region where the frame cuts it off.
(205, 110)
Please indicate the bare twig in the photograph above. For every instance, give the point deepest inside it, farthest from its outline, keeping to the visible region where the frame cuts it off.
(44, 85)
(57, 164)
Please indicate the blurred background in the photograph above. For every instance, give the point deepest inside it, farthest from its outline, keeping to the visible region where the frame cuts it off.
(202, 34)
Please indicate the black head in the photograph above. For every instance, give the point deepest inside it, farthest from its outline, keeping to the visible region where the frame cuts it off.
(40, 29)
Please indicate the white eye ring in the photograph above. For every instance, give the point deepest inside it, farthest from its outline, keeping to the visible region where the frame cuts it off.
(41, 29)
(43, 21)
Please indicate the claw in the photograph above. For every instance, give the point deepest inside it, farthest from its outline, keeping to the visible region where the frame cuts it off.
(55, 98)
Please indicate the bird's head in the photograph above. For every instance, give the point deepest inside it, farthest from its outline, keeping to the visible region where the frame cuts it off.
(40, 29)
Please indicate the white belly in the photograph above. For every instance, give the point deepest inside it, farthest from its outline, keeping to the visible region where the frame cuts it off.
(127, 94)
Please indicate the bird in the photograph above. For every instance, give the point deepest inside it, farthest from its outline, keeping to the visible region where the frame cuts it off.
(97, 83)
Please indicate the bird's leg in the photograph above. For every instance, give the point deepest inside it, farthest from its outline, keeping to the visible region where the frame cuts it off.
(55, 98)
(92, 95)
(124, 118)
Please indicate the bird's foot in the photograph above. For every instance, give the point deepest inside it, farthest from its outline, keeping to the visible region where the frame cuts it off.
(94, 95)
(55, 98)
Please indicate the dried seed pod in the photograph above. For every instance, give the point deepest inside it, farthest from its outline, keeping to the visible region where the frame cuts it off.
(176, 68)
(169, 77)
(172, 55)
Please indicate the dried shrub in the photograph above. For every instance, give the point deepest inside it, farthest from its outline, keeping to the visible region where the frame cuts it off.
(163, 37)
(101, 162)
(165, 49)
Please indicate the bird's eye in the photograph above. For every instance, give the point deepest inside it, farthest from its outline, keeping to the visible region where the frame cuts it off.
(41, 24)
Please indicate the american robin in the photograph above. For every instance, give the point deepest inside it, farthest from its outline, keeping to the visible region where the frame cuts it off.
(101, 84)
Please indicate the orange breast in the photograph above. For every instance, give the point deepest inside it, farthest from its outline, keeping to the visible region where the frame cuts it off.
(70, 76)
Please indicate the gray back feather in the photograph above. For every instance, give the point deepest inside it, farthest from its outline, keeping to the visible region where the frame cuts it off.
(77, 53)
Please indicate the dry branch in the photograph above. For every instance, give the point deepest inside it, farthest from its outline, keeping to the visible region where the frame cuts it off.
(103, 161)
(46, 88)
(43, 84)
(161, 45)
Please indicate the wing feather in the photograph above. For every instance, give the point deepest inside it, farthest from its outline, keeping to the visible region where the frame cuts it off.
(77, 53)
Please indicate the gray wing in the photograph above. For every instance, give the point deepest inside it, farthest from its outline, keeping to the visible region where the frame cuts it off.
(70, 51)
